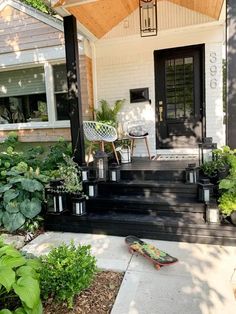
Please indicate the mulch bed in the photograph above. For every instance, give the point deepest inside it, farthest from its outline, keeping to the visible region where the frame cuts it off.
(98, 299)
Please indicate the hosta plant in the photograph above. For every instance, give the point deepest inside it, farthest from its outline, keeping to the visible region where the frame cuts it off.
(19, 282)
(21, 196)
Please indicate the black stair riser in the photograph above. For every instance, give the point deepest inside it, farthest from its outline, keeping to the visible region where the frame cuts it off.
(142, 207)
(113, 189)
(157, 175)
(121, 229)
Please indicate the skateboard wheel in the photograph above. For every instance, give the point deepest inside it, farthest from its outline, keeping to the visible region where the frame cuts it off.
(158, 267)
(131, 251)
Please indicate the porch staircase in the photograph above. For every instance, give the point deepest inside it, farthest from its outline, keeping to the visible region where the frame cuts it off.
(149, 202)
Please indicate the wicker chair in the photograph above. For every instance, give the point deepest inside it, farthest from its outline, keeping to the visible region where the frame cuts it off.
(100, 132)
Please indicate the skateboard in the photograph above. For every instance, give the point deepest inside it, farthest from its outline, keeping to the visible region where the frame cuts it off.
(153, 254)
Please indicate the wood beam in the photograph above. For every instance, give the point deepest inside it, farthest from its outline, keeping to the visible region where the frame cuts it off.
(231, 70)
(74, 89)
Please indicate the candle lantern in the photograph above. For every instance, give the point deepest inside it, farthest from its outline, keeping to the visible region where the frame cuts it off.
(206, 150)
(212, 214)
(56, 201)
(205, 189)
(114, 173)
(79, 205)
(192, 174)
(92, 188)
(101, 165)
(84, 173)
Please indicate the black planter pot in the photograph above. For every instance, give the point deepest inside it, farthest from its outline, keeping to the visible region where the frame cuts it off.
(233, 217)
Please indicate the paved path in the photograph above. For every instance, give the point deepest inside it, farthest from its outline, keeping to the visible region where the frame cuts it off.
(202, 282)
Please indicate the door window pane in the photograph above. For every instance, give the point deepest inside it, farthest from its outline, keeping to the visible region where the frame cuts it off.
(179, 87)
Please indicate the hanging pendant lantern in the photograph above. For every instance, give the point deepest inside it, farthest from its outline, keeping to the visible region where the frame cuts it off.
(148, 17)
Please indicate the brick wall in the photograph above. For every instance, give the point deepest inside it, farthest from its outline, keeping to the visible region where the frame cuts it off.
(39, 135)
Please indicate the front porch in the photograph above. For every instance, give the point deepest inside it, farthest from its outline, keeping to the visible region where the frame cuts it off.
(151, 201)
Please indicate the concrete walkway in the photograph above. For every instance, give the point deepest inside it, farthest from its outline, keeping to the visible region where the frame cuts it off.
(202, 281)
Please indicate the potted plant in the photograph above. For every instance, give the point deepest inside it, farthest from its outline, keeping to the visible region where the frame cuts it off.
(72, 185)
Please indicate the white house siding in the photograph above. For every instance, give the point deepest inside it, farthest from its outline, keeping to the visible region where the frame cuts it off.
(127, 62)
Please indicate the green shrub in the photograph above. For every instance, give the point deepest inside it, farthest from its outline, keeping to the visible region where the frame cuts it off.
(21, 196)
(108, 114)
(66, 271)
(227, 203)
(19, 282)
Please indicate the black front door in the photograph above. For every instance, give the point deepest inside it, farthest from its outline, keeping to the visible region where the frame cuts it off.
(179, 96)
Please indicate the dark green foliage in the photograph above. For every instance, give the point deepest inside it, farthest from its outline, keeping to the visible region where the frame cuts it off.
(21, 196)
(19, 282)
(66, 271)
(108, 114)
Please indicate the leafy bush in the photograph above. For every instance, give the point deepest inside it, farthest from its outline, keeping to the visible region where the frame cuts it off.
(66, 271)
(227, 203)
(19, 283)
(21, 196)
(108, 114)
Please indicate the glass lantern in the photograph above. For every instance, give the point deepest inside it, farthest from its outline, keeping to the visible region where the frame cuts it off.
(212, 214)
(114, 173)
(192, 174)
(206, 150)
(205, 189)
(79, 205)
(56, 200)
(92, 188)
(101, 165)
(84, 173)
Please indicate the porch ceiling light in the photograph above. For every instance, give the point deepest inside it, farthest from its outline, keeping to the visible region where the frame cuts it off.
(148, 17)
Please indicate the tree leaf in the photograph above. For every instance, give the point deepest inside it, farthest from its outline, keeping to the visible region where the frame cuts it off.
(31, 185)
(13, 222)
(30, 209)
(7, 277)
(28, 291)
(10, 195)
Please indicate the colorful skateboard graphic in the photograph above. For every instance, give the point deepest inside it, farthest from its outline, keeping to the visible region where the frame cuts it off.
(156, 256)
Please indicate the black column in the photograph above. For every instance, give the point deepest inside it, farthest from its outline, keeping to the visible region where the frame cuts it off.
(231, 72)
(74, 89)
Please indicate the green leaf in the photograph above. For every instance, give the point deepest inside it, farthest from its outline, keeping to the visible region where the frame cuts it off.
(11, 261)
(38, 309)
(13, 222)
(28, 291)
(20, 310)
(226, 184)
(7, 277)
(5, 311)
(5, 188)
(34, 263)
(9, 250)
(24, 271)
(30, 209)
(13, 207)
(10, 195)
(31, 185)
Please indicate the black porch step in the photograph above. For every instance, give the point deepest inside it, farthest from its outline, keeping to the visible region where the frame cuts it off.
(157, 175)
(145, 226)
(148, 188)
(160, 205)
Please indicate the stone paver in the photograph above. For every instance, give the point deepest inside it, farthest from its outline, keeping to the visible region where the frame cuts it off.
(202, 282)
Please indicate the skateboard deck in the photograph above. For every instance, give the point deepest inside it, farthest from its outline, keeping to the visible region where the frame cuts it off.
(156, 256)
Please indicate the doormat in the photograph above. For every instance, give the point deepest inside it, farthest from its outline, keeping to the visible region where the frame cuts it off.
(173, 157)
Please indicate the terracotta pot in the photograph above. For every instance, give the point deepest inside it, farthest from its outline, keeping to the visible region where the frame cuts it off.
(233, 217)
